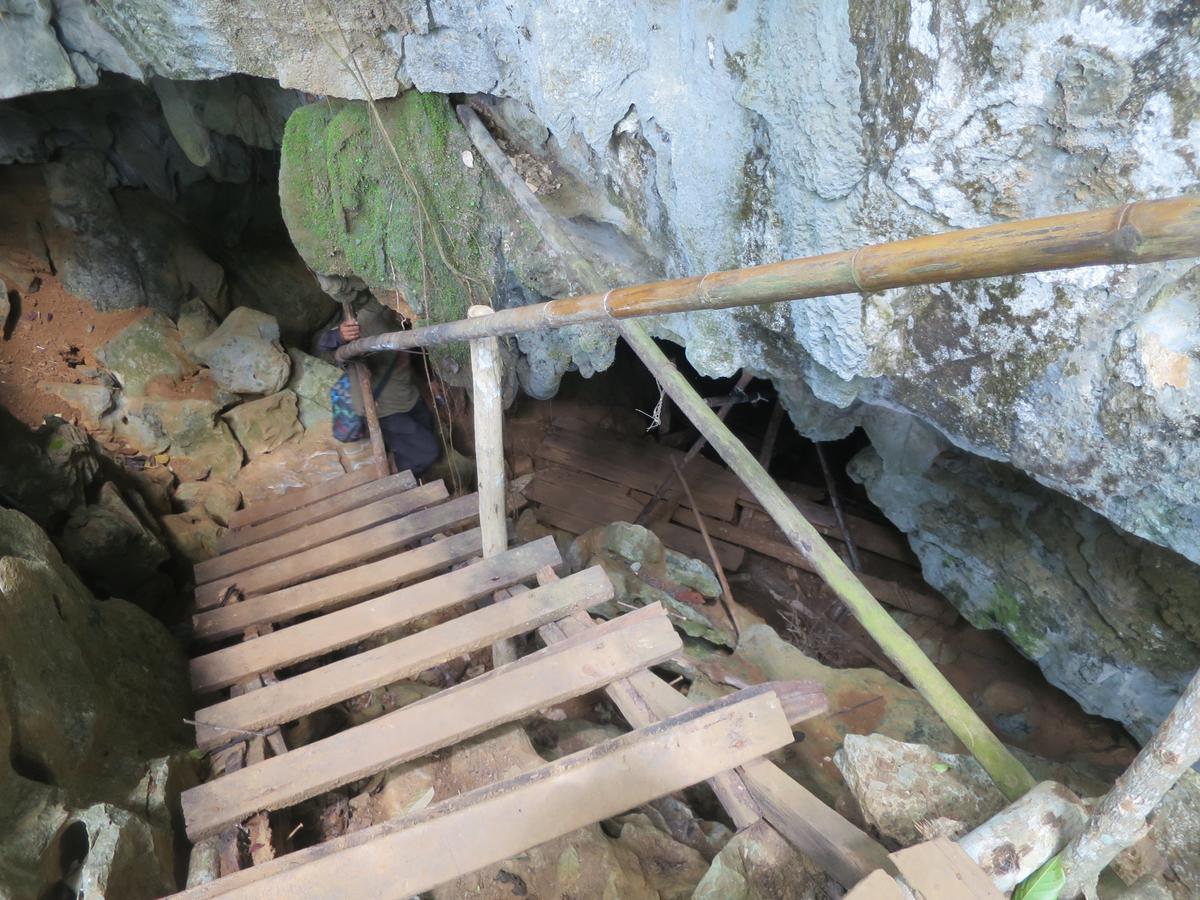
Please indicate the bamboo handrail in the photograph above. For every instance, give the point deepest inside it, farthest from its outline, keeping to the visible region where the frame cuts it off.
(1139, 232)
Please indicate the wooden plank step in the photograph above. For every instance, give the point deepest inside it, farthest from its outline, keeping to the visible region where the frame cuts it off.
(878, 538)
(580, 509)
(935, 870)
(518, 689)
(316, 511)
(366, 671)
(366, 546)
(332, 631)
(320, 531)
(263, 510)
(642, 467)
(336, 590)
(417, 852)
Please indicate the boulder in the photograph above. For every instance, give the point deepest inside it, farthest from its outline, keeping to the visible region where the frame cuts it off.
(150, 348)
(114, 552)
(220, 499)
(193, 534)
(275, 281)
(910, 793)
(244, 354)
(759, 864)
(90, 401)
(300, 462)
(90, 691)
(263, 425)
(312, 380)
(45, 473)
(670, 868)
(196, 322)
(643, 571)
(199, 442)
(126, 856)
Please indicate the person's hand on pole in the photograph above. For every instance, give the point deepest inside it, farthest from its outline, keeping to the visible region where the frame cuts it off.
(350, 331)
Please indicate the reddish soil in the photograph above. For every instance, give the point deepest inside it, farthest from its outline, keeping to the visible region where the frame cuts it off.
(50, 334)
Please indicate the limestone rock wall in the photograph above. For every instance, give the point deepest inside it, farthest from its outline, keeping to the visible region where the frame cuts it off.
(683, 138)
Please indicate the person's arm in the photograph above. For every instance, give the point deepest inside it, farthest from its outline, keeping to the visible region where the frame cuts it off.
(343, 334)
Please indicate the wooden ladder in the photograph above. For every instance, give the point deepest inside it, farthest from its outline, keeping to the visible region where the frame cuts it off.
(327, 569)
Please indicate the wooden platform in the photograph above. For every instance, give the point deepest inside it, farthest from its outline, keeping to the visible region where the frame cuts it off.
(336, 619)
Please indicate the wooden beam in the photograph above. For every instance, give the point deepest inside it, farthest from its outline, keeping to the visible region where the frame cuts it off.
(335, 630)
(848, 854)
(336, 590)
(473, 707)
(318, 510)
(487, 406)
(417, 852)
(263, 510)
(366, 546)
(320, 531)
(366, 671)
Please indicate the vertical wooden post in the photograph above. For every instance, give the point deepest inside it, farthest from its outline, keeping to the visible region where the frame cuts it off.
(362, 374)
(1005, 769)
(489, 455)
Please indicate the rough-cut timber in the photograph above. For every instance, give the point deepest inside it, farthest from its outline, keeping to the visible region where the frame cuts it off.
(298, 497)
(320, 531)
(1142, 232)
(332, 631)
(337, 590)
(520, 688)
(366, 671)
(1010, 775)
(343, 553)
(317, 511)
(415, 853)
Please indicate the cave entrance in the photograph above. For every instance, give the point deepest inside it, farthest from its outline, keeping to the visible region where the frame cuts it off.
(602, 448)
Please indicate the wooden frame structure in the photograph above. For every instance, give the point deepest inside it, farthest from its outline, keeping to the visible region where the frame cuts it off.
(367, 558)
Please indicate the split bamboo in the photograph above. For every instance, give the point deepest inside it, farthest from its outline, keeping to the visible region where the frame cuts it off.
(1140, 232)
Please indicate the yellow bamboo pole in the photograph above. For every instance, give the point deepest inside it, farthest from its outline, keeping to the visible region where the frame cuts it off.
(1141, 232)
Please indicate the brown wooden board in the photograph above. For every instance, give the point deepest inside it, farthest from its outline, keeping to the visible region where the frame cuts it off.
(316, 511)
(639, 466)
(365, 671)
(941, 870)
(263, 510)
(332, 631)
(417, 852)
(574, 508)
(344, 553)
(889, 592)
(519, 689)
(320, 531)
(336, 590)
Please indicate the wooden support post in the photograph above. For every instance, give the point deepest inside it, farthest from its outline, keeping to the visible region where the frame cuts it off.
(1009, 774)
(362, 375)
(489, 456)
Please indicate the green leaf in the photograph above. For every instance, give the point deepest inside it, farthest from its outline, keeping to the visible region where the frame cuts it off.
(1044, 884)
(941, 767)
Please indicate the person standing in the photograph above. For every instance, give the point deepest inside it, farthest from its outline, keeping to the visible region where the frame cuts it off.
(404, 419)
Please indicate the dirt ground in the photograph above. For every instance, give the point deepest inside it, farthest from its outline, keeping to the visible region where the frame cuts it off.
(50, 334)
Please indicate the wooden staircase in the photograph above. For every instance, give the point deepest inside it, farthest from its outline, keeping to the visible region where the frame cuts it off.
(317, 577)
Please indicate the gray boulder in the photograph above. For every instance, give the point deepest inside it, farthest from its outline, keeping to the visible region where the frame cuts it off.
(148, 349)
(220, 499)
(910, 793)
(263, 425)
(312, 380)
(196, 322)
(90, 401)
(244, 354)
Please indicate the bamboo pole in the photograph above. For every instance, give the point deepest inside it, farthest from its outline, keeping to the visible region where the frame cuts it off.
(370, 412)
(488, 408)
(1004, 768)
(1140, 232)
